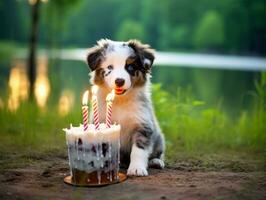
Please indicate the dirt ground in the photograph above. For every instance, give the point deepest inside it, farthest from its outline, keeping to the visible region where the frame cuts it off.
(44, 180)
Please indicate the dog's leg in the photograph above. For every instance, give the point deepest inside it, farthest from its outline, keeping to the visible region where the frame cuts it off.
(156, 159)
(140, 152)
(138, 162)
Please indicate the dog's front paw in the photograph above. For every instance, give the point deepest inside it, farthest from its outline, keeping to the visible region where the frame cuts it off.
(137, 170)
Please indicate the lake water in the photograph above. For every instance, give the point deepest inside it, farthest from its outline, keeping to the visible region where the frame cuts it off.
(62, 82)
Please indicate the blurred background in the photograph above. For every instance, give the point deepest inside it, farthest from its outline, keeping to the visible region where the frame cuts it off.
(200, 108)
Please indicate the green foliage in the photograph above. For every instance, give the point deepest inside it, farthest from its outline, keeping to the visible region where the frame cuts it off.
(55, 19)
(180, 36)
(209, 32)
(194, 126)
(230, 26)
(63, 5)
(14, 21)
(130, 29)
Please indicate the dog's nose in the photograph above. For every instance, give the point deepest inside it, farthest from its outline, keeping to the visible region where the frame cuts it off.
(119, 82)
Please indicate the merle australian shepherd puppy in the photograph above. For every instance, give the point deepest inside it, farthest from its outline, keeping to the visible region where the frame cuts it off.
(126, 67)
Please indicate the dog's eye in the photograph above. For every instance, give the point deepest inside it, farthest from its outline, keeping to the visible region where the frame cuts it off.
(130, 68)
(110, 67)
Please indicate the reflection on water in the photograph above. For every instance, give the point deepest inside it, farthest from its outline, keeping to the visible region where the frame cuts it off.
(205, 85)
(66, 102)
(42, 84)
(18, 85)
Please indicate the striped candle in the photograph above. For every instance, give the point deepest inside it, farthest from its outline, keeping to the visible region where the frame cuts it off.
(85, 112)
(95, 107)
(109, 104)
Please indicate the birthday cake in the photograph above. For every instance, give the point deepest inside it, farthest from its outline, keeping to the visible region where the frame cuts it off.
(93, 154)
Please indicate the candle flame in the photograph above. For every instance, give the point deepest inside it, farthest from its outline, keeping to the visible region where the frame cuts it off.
(94, 89)
(110, 96)
(85, 98)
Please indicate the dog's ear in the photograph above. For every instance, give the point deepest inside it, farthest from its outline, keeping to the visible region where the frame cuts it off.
(96, 54)
(94, 57)
(144, 52)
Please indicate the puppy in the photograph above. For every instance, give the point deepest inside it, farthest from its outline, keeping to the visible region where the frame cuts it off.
(126, 67)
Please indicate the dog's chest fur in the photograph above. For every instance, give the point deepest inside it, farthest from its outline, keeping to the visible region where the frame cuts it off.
(127, 111)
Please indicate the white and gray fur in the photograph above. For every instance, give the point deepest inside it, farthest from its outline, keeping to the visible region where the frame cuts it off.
(142, 142)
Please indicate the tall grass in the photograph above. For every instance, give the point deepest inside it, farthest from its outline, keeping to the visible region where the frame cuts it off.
(192, 125)
(30, 128)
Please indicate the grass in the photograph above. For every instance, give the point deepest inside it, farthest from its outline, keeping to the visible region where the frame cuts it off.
(195, 126)
(30, 127)
(197, 135)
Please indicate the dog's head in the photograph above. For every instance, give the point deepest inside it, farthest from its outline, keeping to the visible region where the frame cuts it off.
(120, 65)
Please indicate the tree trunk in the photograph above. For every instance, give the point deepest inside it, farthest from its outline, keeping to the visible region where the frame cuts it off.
(33, 46)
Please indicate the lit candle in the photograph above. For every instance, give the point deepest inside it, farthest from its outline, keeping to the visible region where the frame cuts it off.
(85, 113)
(109, 102)
(95, 107)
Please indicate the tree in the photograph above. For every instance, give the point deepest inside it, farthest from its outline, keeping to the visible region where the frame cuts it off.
(57, 5)
(210, 32)
(35, 12)
(180, 37)
(130, 29)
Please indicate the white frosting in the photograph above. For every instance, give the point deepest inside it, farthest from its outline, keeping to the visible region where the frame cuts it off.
(94, 150)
